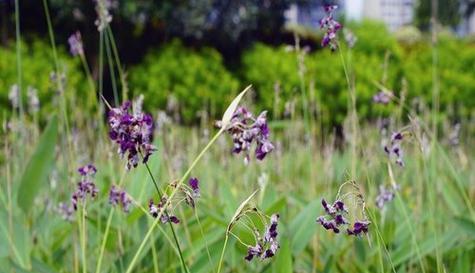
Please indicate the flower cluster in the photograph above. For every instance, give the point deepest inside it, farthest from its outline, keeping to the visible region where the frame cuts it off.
(359, 227)
(195, 187)
(103, 14)
(119, 197)
(394, 149)
(133, 133)
(66, 211)
(86, 186)
(245, 129)
(75, 44)
(385, 195)
(266, 245)
(331, 27)
(155, 209)
(187, 193)
(335, 212)
(382, 97)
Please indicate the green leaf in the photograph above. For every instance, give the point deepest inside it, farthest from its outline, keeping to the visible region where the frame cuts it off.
(283, 259)
(228, 114)
(38, 166)
(466, 225)
(303, 227)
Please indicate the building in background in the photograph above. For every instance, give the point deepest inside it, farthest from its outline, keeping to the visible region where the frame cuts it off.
(394, 13)
(467, 22)
(309, 13)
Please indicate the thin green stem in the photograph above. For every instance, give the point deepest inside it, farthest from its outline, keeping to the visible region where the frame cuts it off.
(353, 115)
(18, 58)
(117, 60)
(104, 241)
(111, 71)
(220, 264)
(150, 230)
(83, 238)
(183, 263)
(203, 236)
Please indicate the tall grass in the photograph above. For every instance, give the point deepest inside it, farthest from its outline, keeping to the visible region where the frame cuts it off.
(429, 227)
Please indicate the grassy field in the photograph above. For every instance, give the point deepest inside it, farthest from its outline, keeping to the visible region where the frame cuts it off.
(426, 225)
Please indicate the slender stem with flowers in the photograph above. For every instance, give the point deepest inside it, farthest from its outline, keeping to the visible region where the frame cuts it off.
(180, 182)
(177, 243)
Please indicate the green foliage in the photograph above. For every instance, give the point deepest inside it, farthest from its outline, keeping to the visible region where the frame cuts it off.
(37, 66)
(197, 79)
(374, 59)
(39, 166)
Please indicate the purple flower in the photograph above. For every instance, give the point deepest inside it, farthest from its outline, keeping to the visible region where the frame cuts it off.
(394, 149)
(359, 227)
(245, 129)
(335, 212)
(382, 97)
(75, 44)
(267, 245)
(195, 187)
(87, 170)
(253, 251)
(66, 211)
(385, 195)
(119, 197)
(331, 27)
(86, 186)
(132, 132)
(155, 209)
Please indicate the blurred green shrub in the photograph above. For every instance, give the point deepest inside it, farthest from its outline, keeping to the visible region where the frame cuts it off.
(376, 58)
(37, 66)
(197, 80)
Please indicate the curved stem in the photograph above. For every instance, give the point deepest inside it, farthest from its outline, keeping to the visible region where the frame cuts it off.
(183, 263)
(150, 230)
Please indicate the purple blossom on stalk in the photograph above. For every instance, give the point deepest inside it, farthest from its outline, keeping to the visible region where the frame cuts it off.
(331, 27)
(195, 187)
(245, 129)
(385, 195)
(359, 227)
(66, 211)
(335, 213)
(336, 219)
(87, 170)
(75, 44)
(133, 133)
(119, 197)
(267, 245)
(155, 209)
(382, 97)
(394, 149)
(86, 186)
